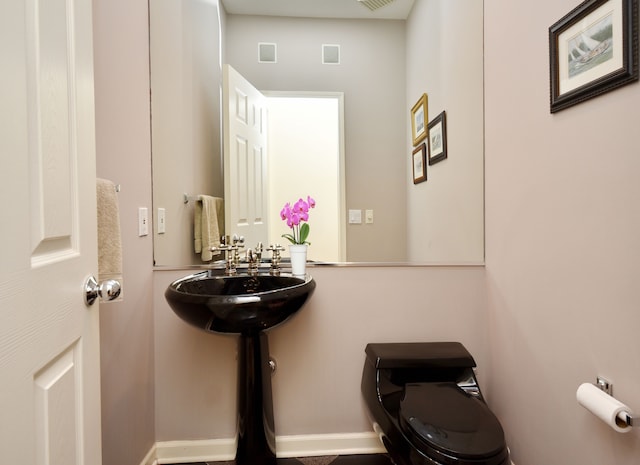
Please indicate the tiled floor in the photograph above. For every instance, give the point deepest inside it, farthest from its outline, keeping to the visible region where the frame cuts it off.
(374, 459)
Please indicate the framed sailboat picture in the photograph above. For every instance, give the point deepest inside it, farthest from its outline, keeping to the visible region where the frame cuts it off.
(593, 49)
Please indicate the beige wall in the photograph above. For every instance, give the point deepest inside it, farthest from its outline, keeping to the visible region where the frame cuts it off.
(123, 155)
(160, 392)
(562, 246)
(560, 278)
(186, 78)
(445, 221)
(320, 352)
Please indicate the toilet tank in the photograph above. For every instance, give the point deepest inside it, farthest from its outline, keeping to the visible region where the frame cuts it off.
(420, 361)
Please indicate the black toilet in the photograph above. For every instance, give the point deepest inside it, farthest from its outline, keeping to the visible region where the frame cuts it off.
(426, 405)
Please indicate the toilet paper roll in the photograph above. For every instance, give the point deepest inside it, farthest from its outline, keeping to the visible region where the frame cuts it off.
(610, 410)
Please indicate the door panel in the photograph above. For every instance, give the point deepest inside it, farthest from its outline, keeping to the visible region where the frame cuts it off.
(245, 159)
(49, 339)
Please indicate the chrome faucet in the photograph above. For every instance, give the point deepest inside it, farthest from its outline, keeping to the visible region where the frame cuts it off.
(231, 252)
(254, 257)
(275, 250)
(238, 243)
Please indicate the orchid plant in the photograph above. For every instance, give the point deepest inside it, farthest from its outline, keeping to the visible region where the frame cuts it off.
(296, 217)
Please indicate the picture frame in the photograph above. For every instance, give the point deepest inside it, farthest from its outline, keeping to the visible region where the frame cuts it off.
(437, 130)
(592, 50)
(418, 159)
(419, 119)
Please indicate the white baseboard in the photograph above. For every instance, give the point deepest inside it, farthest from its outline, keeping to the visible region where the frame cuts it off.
(329, 444)
(168, 452)
(150, 458)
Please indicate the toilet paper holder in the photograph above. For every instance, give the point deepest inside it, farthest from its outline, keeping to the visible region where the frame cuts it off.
(629, 418)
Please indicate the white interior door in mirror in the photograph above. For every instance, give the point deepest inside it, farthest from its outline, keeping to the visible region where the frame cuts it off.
(245, 159)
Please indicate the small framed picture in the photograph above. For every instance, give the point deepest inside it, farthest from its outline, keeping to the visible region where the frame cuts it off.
(419, 168)
(438, 138)
(419, 118)
(593, 49)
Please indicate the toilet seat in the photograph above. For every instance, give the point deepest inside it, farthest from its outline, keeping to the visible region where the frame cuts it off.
(450, 425)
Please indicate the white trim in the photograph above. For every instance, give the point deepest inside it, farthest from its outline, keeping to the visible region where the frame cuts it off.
(312, 445)
(214, 450)
(167, 452)
(150, 458)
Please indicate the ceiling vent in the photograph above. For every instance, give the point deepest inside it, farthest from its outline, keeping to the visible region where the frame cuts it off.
(267, 53)
(330, 54)
(374, 4)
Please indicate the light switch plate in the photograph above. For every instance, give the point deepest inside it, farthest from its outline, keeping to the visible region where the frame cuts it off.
(143, 221)
(355, 216)
(368, 216)
(162, 218)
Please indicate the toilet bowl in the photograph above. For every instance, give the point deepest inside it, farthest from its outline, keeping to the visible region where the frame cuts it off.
(427, 407)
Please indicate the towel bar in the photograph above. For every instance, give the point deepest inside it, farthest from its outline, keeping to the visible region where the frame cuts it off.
(188, 198)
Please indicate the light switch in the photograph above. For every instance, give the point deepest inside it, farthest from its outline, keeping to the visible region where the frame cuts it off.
(355, 216)
(143, 221)
(368, 216)
(162, 218)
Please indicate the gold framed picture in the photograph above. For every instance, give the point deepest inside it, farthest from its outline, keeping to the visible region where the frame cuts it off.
(419, 118)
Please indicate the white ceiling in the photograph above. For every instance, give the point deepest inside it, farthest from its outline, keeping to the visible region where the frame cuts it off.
(397, 9)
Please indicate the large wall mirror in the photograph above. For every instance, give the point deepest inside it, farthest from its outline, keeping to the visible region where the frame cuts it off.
(380, 62)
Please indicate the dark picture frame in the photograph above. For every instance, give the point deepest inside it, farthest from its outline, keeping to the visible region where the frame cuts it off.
(418, 161)
(419, 119)
(438, 138)
(593, 49)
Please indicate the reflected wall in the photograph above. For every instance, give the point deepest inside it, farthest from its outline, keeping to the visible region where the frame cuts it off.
(384, 67)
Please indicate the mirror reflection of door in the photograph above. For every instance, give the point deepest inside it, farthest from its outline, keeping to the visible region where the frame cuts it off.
(300, 154)
(245, 160)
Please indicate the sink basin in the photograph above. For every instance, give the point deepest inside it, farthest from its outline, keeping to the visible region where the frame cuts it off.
(247, 306)
(238, 304)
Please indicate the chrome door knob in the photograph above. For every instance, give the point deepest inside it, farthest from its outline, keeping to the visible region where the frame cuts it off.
(107, 290)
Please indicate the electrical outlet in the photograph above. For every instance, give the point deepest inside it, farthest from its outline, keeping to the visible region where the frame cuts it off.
(143, 221)
(162, 218)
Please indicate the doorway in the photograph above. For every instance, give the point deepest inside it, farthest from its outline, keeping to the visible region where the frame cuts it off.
(306, 157)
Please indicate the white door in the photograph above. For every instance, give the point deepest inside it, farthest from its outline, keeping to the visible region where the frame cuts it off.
(245, 159)
(49, 339)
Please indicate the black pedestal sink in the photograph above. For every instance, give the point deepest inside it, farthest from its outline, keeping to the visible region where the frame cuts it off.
(247, 306)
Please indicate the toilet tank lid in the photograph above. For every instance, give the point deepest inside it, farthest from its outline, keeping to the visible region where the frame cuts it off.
(419, 355)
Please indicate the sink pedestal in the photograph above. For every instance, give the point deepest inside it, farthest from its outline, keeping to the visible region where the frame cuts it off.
(256, 432)
(248, 306)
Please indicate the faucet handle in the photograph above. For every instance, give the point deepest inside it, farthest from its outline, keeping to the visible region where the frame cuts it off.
(275, 259)
(275, 248)
(238, 241)
(253, 260)
(258, 252)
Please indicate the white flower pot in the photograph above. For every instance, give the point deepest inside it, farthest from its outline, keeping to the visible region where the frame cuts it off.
(298, 254)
